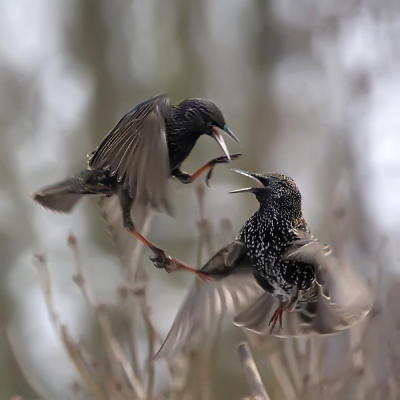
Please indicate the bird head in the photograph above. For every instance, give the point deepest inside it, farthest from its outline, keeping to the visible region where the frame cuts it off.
(275, 190)
(203, 117)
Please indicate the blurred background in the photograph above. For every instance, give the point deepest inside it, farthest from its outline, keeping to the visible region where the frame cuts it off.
(312, 90)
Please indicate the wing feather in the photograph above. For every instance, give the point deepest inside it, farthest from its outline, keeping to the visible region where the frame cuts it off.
(341, 298)
(338, 299)
(136, 151)
(233, 288)
(205, 305)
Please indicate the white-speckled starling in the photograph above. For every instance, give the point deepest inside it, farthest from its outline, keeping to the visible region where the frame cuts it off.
(135, 159)
(274, 265)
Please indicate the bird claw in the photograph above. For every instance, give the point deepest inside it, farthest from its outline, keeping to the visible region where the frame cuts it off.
(162, 260)
(277, 316)
(219, 160)
(209, 175)
(172, 264)
(223, 159)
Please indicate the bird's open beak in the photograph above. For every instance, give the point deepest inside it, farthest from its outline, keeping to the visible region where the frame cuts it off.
(216, 134)
(248, 189)
(230, 133)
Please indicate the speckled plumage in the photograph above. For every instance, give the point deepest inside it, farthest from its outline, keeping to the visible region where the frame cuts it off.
(268, 233)
(274, 268)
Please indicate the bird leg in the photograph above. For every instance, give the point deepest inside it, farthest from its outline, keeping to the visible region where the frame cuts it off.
(275, 317)
(289, 307)
(126, 203)
(171, 264)
(189, 178)
(161, 259)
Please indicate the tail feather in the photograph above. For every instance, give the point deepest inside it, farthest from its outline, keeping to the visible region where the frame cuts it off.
(62, 196)
(60, 202)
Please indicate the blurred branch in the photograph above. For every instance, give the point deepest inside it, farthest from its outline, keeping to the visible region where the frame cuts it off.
(72, 348)
(210, 346)
(282, 376)
(250, 370)
(204, 227)
(116, 354)
(293, 363)
(151, 337)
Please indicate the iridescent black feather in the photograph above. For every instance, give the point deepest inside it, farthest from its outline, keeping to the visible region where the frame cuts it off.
(275, 268)
(135, 159)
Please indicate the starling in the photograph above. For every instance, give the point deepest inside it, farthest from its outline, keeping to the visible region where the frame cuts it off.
(136, 158)
(274, 272)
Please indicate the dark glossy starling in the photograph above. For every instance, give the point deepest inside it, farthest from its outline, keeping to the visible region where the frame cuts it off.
(275, 271)
(134, 161)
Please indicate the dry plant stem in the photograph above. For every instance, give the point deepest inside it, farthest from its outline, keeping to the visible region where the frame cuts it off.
(203, 225)
(282, 376)
(152, 334)
(251, 372)
(292, 362)
(151, 337)
(207, 371)
(133, 348)
(180, 366)
(209, 348)
(206, 368)
(315, 360)
(73, 349)
(116, 354)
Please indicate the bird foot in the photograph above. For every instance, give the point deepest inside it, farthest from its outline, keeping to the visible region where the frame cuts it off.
(277, 316)
(171, 264)
(162, 260)
(219, 160)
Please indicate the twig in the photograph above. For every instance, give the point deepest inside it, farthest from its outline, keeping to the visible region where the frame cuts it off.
(138, 280)
(132, 344)
(204, 227)
(209, 348)
(72, 348)
(151, 338)
(251, 372)
(282, 376)
(139, 285)
(292, 363)
(115, 349)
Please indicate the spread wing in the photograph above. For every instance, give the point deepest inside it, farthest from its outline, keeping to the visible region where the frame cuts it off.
(136, 152)
(340, 297)
(232, 287)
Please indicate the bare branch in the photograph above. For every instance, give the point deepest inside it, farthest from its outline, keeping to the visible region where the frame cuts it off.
(151, 338)
(251, 372)
(204, 226)
(116, 352)
(71, 346)
(282, 376)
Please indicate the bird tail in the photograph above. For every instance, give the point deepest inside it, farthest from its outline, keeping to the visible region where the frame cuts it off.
(315, 316)
(60, 202)
(62, 196)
